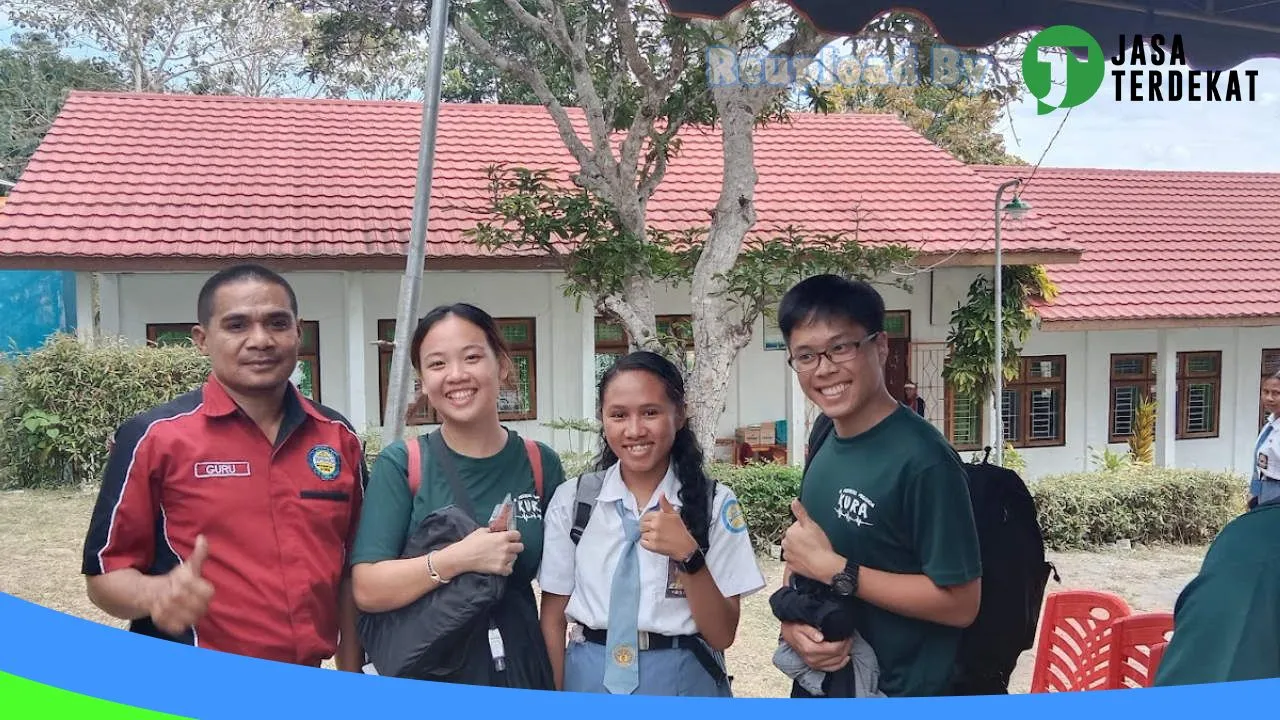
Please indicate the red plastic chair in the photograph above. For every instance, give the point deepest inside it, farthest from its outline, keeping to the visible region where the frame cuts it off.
(1157, 654)
(1074, 646)
(1132, 662)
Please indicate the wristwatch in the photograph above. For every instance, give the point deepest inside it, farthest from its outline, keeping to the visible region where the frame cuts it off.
(694, 563)
(845, 582)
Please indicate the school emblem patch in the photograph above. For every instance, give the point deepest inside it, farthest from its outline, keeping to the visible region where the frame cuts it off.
(731, 516)
(325, 462)
(624, 655)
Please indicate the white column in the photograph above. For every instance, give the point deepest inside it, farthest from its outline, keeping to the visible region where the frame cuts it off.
(84, 305)
(797, 418)
(357, 410)
(109, 300)
(588, 382)
(1166, 399)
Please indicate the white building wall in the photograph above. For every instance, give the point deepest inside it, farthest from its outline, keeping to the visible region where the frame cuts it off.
(1088, 394)
(759, 386)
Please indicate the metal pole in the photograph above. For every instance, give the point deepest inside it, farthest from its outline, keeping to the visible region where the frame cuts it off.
(399, 384)
(998, 425)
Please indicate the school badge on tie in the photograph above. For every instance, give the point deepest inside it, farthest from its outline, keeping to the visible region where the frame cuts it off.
(624, 655)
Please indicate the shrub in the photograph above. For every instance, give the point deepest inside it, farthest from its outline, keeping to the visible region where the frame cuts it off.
(61, 404)
(1136, 502)
(1142, 442)
(766, 492)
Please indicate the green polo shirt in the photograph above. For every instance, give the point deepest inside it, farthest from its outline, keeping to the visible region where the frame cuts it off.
(1227, 619)
(896, 498)
(389, 514)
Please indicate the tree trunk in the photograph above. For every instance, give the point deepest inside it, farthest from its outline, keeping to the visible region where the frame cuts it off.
(720, 332)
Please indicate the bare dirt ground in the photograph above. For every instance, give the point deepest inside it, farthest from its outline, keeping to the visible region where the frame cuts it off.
(42, 535)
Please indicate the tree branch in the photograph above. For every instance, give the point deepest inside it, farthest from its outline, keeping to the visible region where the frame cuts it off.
(530, 74)
(655, 92)
(805, 41)
(630, 47)
(580, 67)
(655, 166)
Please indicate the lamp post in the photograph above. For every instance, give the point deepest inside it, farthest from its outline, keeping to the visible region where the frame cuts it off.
(1017, 209)
(399, 384)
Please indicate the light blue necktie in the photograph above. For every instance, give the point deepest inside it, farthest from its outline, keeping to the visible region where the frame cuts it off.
(622, 667)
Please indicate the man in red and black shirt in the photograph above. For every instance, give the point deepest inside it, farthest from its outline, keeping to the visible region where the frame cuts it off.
(226, 516)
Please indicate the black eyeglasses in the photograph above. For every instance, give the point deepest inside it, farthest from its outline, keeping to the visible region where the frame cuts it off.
(837, 353)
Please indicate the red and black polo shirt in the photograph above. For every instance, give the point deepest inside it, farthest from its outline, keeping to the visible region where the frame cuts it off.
(279, 518)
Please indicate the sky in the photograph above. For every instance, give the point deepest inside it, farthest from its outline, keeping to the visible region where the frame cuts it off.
(1104, 133)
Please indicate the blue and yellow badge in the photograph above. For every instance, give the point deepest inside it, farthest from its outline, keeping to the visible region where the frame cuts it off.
(325, 462)
(731, 516)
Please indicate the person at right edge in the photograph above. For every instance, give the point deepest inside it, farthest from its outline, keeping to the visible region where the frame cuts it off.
(1226, 627)
(884, 515)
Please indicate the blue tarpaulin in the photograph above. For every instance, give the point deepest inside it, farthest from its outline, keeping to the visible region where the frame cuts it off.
(34, 304)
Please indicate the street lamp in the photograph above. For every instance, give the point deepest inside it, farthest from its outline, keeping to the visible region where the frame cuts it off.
(1017, 209)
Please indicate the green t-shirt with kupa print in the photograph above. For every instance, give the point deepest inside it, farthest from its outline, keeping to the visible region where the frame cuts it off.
(896, 498)
(389, 513)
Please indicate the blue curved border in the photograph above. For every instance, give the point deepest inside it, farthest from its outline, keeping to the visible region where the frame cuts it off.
(81, 656)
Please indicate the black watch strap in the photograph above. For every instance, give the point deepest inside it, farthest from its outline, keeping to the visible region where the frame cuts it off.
(694, 563)
(845, 583)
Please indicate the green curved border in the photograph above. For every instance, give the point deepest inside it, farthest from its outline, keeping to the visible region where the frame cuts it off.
(24, 698)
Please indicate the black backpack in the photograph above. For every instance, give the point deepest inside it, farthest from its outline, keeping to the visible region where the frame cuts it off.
(1014, 573)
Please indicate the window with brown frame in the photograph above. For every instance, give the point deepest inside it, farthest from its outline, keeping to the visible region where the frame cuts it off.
(612, 340)
(963, 419)
(163, 334)
(306, 375)
(1199, 394)
(1270, 366)
(1034, 403)
(517, 400)
(1133, 380)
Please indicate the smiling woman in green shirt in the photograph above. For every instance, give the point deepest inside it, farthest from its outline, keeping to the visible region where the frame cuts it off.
(462, 361)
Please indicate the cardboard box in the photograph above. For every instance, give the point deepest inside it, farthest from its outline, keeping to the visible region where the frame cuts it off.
(768, 435)
(726, 450)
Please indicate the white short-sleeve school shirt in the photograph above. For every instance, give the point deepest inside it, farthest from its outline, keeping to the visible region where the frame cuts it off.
(1267, 459)
(585, 573)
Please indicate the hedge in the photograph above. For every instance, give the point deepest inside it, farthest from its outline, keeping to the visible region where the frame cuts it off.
(61, 404)
(766, 492)
(1137, 502)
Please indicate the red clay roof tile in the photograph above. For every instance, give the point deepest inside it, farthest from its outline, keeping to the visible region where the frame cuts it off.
(1160, 244)
(124, 175)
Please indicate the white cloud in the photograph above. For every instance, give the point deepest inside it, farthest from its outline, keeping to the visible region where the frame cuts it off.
(1148, 135)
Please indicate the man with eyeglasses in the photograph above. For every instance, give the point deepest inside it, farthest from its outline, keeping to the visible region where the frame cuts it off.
(884, 517)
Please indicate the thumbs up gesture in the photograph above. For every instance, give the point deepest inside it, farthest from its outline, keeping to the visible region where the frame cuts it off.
(184, 597)
(807, 549)
(662, 531)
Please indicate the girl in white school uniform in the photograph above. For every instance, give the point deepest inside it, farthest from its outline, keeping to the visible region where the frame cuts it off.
(653, 583)
(1265, 485)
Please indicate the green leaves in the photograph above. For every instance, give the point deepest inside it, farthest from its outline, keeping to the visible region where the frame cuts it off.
(531, 210)
(1136, 502)
(34, 80)
(60, 404)
(972, 335)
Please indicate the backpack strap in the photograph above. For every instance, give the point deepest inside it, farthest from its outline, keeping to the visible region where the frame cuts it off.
(435, 442)
(588, 490)
(822, 428)
(414, 477)
(535, 460)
